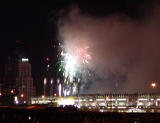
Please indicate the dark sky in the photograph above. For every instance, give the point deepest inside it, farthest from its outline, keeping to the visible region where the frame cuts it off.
(34, 24)
(28, 23)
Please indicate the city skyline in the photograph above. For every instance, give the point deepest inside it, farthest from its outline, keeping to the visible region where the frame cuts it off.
(17, 86)
(80, 61)
(121, 59)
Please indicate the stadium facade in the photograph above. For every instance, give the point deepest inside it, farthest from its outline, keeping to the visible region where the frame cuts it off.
(107, 102)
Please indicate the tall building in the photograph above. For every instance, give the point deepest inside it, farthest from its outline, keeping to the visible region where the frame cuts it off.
(18, 80)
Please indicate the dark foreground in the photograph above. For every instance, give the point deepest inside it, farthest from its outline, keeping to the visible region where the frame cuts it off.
(8, 115)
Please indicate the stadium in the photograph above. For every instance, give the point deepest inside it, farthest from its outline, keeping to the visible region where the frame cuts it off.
(106, 102)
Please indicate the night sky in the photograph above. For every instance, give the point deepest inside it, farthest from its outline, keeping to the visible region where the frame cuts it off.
(35, 26)
(30, 24)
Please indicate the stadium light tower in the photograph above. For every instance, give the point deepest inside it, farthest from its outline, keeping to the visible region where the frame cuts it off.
(44, 89)
(51, 87)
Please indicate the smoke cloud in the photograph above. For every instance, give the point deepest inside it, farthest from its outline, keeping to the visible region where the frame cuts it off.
(125, 50)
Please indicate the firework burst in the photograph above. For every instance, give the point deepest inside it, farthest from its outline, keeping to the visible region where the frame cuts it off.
(72, 67)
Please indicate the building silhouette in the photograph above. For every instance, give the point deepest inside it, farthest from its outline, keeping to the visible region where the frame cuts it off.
(18, 82)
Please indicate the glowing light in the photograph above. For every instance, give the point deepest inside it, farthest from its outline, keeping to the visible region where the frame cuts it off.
(29, 117)
(0, 94)
(68, 92)
(93, 104)
(25, 59)
(141, 104)
(142, 99)
(65, 101)
(121, 107)
(101, 110)
(90, 99)
(59, 88)
(22, 95)
(100, 99)
(51, 81)
(62, 53)
(102, 104)
(45, 81)
(12, 91)
(58, 80)
(16, 100)
(43, 96)
(153, 84)
(79, 80)
(47, 59)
